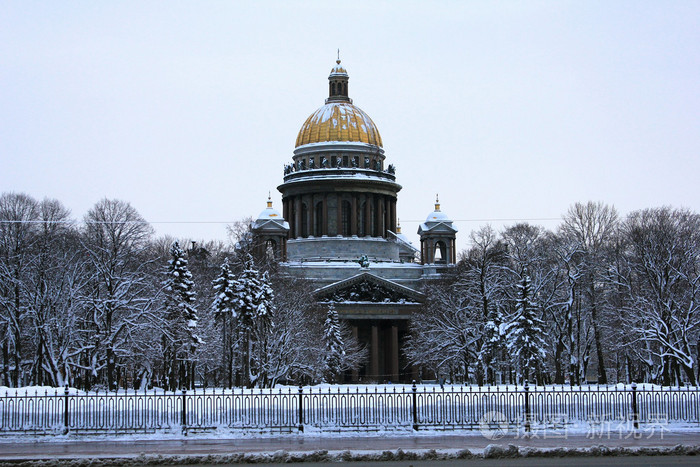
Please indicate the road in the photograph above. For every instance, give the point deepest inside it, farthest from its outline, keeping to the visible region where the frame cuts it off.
(130, 448)
(636, 461)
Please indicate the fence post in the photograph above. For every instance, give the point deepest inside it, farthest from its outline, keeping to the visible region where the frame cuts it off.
(184, 411)
(415, 406)
(301, 408)
(527, 407)
(635, 409)
(66, 414)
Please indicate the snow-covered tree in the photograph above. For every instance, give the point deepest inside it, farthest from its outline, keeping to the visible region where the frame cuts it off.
(224, 308)
(485, 275)
(663, 287)
(592, 227)
(571, 327)
(254, 306)
(18, 232)
(525, 333)
(58, 274)
(492, 352)
(181, 339)
(445, 336)
(115, 239)
(334, 345)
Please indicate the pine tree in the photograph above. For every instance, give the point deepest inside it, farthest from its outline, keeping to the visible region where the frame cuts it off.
(253, 303)
(492, 349)
(181, 318)
(224, 308)
(334, 346)
(525, 332)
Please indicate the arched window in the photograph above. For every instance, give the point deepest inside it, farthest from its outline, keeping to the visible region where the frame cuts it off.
(440, 252)
(345, 216)
(318, 220)
(270, 249)
(304, 220)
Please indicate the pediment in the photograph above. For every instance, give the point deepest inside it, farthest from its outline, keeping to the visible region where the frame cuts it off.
(366, 287)
(439, 227)
(270, 225)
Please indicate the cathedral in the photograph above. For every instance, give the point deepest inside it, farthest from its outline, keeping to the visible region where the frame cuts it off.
(339, 230)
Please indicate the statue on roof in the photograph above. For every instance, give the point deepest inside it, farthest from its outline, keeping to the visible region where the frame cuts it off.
(364, 261)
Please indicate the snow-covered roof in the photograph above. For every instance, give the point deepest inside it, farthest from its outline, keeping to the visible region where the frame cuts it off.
(270, 213)
(345, 174)
(403, 240)
(270, 218)
(435, 226)
(437, 216)
(437, 221)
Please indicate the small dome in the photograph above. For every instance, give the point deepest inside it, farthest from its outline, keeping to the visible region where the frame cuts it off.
(339, 121)
(437, 215)
(338, 69)
(270, 213)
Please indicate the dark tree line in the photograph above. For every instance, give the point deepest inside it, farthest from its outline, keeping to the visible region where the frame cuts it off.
(105, 304)
(601, 299)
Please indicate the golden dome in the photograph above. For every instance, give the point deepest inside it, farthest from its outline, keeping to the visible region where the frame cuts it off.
(339, 121)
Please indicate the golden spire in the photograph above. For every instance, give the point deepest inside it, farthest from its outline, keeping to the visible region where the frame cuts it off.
(338, 60)
(269, 200)
(437, 203)
(398, 226)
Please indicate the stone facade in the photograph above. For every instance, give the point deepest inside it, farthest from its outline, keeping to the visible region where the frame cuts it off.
(341, 232)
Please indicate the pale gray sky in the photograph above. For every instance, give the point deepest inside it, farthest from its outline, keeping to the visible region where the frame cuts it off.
(190, 109)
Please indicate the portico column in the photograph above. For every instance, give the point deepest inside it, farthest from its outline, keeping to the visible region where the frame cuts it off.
(394, 353)
(374, 352)
(375, 217)
(354, 375)
(368, 219)
(392, 215)
(324, 221)
(338, 215)
(382, 213)
(297, 216)
(353, 216)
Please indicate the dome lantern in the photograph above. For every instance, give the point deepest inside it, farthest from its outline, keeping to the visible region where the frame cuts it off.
(338, 84)
(339, 120)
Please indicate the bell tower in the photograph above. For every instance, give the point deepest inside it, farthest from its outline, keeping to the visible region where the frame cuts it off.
(270, 233)
(438, 238)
